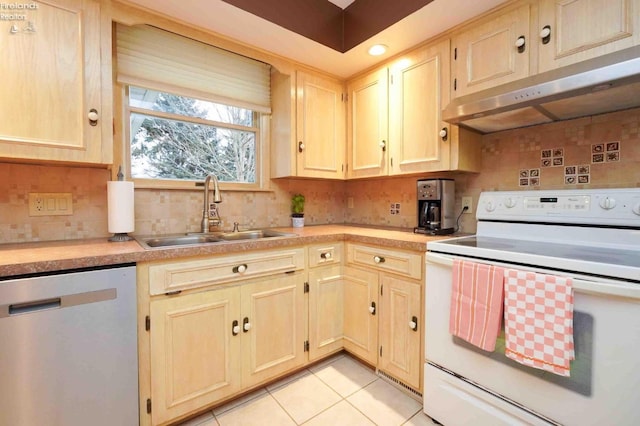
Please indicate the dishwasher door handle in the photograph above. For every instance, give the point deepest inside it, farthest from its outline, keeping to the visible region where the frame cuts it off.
(33, 306)
(65, 301)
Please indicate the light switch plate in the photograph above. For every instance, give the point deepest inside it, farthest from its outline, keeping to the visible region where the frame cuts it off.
(50, 204)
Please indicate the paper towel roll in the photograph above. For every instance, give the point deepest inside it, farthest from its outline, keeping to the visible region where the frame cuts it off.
(120, 206)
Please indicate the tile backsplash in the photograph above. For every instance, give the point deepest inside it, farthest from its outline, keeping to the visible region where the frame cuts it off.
(593, 152)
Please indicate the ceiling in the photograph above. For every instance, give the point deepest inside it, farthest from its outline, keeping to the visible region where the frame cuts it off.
(235, 23)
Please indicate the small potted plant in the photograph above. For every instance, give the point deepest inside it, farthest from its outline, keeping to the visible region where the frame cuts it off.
(297, 210)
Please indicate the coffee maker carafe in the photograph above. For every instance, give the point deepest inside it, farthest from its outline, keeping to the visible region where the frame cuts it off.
(436, 206)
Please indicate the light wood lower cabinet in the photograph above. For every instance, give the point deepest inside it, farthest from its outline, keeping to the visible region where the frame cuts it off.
(195, 356)
(401, 329)
(208, 345)
(361, 313)
(326, 307)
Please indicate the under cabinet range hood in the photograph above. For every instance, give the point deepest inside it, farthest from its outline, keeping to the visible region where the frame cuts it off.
(604, 84)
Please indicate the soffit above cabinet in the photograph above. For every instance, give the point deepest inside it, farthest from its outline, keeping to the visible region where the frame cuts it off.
(411, 28)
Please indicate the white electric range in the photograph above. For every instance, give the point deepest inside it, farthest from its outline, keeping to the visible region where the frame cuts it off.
(592, 236)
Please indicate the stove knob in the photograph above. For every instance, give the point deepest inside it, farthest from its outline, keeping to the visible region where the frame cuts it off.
(510, 202)
(607, 203)
(490, 206)
(636, 209)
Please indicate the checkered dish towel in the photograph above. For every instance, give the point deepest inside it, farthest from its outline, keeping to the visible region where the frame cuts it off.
(538, 320)
(475, 313)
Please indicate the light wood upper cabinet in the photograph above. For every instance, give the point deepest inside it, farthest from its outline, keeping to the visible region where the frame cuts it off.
(320, 127)
(417, 93)
(195, 354)
(308, 135)
(367, 129)
(55, 73)
(584, 29)
(486, 54)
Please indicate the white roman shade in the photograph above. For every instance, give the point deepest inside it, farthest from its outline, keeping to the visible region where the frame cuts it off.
(160, 60)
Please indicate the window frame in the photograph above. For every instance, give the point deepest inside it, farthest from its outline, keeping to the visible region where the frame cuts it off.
(123, 154)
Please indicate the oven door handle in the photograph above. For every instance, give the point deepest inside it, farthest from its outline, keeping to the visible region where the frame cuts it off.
(605, 287)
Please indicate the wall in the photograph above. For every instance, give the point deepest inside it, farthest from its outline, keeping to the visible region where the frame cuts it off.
(156, 212)
(505, 155)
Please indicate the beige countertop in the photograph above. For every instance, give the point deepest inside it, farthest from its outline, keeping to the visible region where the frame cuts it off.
(29, 258)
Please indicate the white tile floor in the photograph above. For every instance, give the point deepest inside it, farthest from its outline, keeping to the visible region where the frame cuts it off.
(339, 391)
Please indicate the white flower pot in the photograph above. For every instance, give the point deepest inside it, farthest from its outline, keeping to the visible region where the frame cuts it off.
(298, 222)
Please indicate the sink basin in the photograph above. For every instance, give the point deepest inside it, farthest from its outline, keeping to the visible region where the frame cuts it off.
(253, 234)
(178, 240)
(214, 237)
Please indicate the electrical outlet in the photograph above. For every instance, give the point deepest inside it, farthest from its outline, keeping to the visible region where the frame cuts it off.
(467, 202)
(50, 204)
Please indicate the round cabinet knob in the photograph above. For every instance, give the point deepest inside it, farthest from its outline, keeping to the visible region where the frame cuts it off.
(93, 115)
(444, 134)
(378, 259)
(546, 32)
(636, 209)
(413, 325)
(240, 268)
(490, 206)
(300, 146)
(236, 329)
(372, 309)
(510, 202)
(520, 42)
(383, 145)
(607, 203)
(326, 256)
(246, 326)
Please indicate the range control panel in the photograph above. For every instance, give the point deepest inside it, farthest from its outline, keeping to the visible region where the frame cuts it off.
(620, 206)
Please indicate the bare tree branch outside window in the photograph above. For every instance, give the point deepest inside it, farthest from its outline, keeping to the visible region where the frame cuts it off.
(177, 137)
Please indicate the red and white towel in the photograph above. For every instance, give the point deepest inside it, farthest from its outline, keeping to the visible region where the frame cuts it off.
(538, 314)
(476, 303)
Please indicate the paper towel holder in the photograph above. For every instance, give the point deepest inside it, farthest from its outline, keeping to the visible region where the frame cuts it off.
(120, 236)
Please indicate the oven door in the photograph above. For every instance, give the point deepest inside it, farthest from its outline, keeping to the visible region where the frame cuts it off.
(466, 385)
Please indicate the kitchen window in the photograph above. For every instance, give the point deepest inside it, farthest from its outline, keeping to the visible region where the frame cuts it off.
(183, 138)
(191, 109)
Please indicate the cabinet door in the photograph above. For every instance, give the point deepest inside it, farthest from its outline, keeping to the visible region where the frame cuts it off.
(368, 125)
(326, 310)
(486, 55)
(273, 323)
(51, 82)
(196, 357)
(401, 329)
(321, 137)
(583, 29)
(418, 90)
(361, 313)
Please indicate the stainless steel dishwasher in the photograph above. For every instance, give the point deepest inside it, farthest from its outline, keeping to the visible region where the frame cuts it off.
(68, 349)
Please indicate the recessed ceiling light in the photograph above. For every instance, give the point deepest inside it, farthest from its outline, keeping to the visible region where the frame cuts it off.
(377, 49)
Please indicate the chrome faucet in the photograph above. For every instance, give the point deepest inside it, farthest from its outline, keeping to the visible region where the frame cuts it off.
(207, 221)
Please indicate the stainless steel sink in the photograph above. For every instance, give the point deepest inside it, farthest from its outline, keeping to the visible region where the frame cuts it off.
(214, 237)
(178, 240)
(254, 234)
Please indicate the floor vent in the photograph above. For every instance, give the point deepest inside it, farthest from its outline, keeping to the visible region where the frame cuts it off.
(402, 386)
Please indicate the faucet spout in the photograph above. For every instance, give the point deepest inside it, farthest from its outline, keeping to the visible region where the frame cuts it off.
(206, 219)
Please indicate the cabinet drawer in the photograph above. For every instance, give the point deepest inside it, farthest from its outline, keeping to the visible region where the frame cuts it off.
(398, 262)
(168, 277)
(325, 254)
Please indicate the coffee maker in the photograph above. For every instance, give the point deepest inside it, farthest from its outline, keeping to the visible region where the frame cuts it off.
(436, 215)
